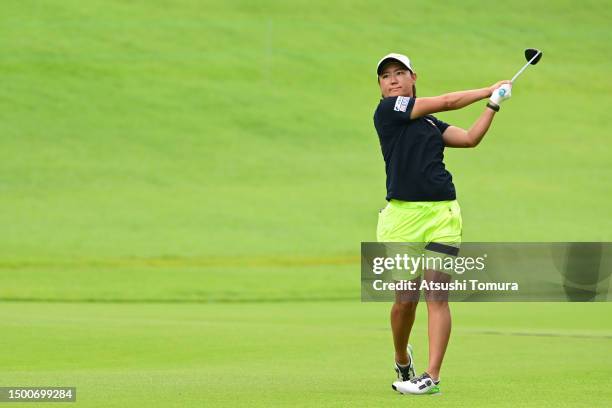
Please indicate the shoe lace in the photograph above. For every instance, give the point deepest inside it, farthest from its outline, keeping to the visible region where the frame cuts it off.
(404, 372)
(421, 377)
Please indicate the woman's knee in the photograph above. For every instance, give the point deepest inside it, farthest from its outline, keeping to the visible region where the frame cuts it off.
(437, 305)
(405, 307)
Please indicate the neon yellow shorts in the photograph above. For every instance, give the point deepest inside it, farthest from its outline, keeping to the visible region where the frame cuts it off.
(421, 223)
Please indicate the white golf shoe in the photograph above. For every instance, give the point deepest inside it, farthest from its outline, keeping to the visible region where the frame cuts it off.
(422, 384)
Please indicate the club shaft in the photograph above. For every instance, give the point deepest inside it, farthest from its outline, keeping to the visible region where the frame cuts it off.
(524, 67)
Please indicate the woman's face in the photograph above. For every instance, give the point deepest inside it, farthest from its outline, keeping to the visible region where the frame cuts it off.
(396, 80)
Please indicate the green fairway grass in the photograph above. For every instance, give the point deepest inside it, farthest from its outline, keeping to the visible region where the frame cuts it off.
(184, 187)
(303, 354)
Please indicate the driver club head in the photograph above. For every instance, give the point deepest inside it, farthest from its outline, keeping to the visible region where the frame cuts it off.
(533, 56)
(530, 53)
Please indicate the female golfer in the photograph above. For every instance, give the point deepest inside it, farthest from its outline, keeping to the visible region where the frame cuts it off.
(422, 204)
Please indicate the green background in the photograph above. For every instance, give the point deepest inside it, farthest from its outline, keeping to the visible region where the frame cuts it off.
(184, 187)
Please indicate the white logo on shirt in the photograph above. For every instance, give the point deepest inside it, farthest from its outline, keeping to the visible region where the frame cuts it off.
(401, 104)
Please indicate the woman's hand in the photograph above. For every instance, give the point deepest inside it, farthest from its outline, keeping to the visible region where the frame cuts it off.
(497, 85)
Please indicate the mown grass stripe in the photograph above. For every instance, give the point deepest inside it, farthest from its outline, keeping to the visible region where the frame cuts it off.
(182, 300)
(153, 262)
